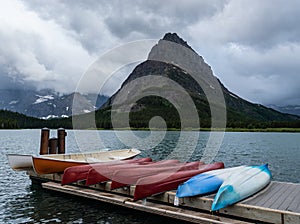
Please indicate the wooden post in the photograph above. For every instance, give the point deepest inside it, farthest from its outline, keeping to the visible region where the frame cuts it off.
(53, 146)
(44, 141)
(61, 134)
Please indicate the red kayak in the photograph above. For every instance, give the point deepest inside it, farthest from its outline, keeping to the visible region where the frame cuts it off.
(77, 173)
(130, 176)
(162, 182)
(101, 175)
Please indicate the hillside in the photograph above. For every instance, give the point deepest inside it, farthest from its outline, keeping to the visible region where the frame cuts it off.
(240, 113)
(288, 109)
(9, 120)
(15, 120)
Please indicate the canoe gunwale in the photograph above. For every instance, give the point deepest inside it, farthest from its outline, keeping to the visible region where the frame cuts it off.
(47, 164)
(85, 155)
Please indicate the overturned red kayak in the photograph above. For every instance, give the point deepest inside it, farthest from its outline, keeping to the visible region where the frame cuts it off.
(162, 182)
(77, 173)
(130, 176)
(101, 175)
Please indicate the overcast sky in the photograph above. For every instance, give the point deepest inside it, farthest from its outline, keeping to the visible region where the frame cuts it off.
(252, 46)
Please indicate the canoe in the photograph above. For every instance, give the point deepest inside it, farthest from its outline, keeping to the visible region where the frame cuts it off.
(56, 163)
(241, 185)
(101, 175)
(162, 182)
(78, 173)
(130, 176)
(206, 183)
(19, 161)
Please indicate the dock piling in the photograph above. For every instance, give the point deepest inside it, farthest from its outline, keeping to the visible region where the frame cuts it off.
(61, 134)
(44, 141)
(53, 145)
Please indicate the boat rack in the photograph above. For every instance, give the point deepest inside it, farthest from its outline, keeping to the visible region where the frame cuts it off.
(278, 203)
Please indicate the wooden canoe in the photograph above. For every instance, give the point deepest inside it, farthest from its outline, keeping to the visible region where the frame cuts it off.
(130, 176)
(162, 182)
(78, 173)
(106, 173)
(57, 163)
(19, 161)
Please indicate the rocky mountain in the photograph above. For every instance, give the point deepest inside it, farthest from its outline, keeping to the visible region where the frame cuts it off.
(47, 103)
(288, 109)
(163, 61)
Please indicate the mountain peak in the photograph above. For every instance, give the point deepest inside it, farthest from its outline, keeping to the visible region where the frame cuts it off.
(173, 37)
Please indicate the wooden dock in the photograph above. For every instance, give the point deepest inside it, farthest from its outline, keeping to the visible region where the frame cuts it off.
(278, 203)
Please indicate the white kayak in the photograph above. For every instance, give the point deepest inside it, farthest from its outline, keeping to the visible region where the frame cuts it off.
(241, 185)
(207, 182)
(19, 161)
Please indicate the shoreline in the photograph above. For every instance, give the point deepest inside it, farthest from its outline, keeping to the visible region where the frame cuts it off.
(287, 130)
(279, 130)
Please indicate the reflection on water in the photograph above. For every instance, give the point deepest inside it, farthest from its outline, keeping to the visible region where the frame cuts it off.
(22, 202)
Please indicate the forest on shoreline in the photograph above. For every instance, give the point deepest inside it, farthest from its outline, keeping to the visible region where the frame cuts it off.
(14, 120)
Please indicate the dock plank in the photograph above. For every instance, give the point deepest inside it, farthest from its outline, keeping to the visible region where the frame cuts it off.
(237, 210)
(276, 197)
(279, 198)
(292, 194)
(159, 209)
(278, 203)
(264, 196)
(295, 205)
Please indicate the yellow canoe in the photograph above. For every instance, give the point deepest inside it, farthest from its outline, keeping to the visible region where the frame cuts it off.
(56, 163)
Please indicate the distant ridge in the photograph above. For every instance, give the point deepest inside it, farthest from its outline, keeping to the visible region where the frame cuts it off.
(48, 104)
(288, 109)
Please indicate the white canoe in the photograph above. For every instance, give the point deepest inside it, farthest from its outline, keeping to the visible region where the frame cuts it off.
(19, 161)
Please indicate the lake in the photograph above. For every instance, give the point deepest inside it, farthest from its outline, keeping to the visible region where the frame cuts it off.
(22, 202)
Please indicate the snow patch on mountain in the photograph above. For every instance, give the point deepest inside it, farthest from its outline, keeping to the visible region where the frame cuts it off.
(13, 102)
(42, 99)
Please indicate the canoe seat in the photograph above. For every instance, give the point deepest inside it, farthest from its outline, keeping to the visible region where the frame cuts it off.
(93, 160)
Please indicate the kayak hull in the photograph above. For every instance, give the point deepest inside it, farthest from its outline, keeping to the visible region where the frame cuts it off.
(80, 172)
(162, 182)
(241, 185)
(101, 175)
(205, 183)
(122, 178)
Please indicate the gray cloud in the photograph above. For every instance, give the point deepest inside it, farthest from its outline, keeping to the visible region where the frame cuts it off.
(252, 46)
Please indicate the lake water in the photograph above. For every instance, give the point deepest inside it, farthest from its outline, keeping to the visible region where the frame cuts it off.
(22, 202)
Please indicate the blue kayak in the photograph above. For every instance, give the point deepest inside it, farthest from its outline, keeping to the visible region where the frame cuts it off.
(240, 185)
(207, 182)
